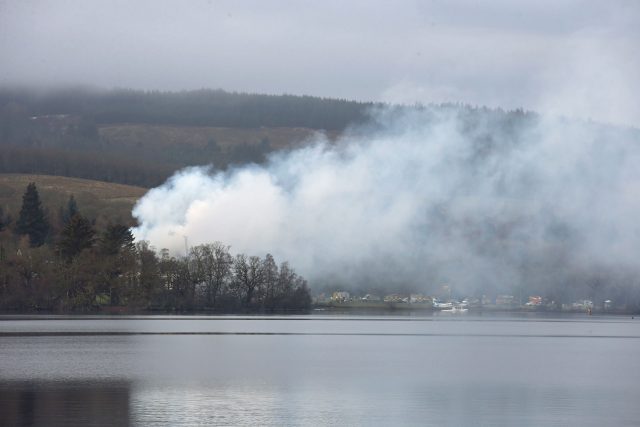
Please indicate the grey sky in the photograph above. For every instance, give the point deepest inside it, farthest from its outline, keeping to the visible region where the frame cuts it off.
(576, 57)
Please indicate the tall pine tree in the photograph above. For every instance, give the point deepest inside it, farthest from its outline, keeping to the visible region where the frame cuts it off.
(70, 211)
(116, 238)
(2, 221)
(76, 236)
(32, 220)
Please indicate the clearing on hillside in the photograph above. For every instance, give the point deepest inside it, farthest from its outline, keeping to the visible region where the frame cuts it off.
(103, 201)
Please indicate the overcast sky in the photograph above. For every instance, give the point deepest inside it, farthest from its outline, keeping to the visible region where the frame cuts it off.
(576, 57)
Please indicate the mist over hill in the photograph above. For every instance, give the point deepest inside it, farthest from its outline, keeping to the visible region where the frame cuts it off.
(205, 107)
(358, 196)
(483, 200)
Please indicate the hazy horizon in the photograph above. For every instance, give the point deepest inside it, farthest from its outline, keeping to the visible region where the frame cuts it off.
(460, 248)
(576, 59)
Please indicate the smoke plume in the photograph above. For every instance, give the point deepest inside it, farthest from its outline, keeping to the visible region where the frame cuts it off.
(478, 199)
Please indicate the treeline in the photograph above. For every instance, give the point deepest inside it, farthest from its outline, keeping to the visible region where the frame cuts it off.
(58, 133)
(130, 165)
(96, 165)
(72, 266)
(203, 107)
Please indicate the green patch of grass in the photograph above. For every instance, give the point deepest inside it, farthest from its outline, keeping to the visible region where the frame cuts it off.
(98, 200)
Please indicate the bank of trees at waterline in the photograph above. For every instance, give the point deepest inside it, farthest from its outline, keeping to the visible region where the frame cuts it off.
(72, 265)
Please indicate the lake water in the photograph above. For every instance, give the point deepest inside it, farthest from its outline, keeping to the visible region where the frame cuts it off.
(458, 370)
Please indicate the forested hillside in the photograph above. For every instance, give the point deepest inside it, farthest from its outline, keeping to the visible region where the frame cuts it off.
(83, 134)
(192, 108)
(141, 138)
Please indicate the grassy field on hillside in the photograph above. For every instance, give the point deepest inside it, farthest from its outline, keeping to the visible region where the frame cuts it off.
(98, 200)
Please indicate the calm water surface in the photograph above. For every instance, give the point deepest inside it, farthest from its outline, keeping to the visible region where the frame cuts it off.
(459, 370)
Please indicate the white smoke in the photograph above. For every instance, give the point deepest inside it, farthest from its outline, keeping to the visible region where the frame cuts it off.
(418, 198)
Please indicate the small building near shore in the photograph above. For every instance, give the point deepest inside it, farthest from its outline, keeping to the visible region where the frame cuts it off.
(340, 296)
(393, 298)
(420, 299)
(534, 301)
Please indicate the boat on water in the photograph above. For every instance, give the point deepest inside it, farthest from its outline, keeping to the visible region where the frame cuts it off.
(442, 305)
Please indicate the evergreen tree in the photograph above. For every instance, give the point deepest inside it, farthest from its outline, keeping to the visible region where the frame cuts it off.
(32, 220)
(70, 211)
(116, 238)
(76, 236)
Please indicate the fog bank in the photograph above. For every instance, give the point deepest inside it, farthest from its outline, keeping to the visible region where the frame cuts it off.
(477, 199)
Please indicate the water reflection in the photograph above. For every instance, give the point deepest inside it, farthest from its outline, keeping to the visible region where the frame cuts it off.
(105, 403)
(121, 403)
(322, 371)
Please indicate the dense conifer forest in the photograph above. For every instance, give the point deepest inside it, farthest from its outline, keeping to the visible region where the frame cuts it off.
(59, 132)
(79, 132)
(191, 108)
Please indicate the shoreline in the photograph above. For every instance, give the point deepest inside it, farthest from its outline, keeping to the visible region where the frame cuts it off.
(427, 308)
(334, 308)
